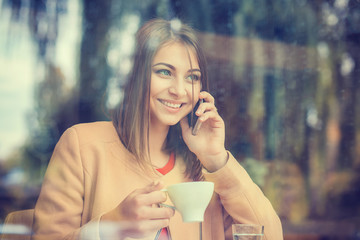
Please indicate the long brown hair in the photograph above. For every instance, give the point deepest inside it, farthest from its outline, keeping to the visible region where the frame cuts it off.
(132, 118)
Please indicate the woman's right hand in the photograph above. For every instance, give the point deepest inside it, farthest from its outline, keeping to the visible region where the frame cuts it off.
(138, 214)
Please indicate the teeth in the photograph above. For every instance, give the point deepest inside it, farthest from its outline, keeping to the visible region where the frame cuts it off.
(172, 105)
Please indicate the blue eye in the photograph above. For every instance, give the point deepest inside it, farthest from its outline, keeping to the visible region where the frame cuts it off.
(164, 72)
(193, 77)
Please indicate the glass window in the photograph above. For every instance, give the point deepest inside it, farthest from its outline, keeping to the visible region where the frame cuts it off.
(285, 76)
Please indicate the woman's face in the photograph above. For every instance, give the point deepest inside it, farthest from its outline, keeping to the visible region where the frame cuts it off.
(171, 83)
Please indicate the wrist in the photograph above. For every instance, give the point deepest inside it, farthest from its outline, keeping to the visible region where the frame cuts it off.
(113, 215)
(109, 217)
(212, 163)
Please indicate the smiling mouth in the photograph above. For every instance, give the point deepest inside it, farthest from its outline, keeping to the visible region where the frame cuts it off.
(171, 105)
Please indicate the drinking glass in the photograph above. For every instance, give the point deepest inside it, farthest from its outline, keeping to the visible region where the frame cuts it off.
(247, 232)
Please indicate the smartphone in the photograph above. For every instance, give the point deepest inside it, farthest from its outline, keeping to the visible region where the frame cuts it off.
(195, 124)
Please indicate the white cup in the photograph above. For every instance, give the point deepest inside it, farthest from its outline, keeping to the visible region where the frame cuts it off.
(191, 199)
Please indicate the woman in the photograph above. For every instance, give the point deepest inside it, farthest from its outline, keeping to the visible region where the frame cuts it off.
(105, 175)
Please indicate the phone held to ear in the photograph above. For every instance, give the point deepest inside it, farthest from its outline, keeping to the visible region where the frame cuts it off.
(194, 123)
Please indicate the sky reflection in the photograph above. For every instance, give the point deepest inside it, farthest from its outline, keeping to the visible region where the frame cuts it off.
(17, 58)
(21, 70)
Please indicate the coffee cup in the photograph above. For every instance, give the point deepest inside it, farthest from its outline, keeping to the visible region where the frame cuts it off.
(191, 199)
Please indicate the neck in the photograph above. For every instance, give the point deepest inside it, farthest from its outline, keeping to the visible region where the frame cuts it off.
(157, 137)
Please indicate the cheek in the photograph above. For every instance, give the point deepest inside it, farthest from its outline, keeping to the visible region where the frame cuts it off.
(197, 89)
(155, 86)
(196, 97)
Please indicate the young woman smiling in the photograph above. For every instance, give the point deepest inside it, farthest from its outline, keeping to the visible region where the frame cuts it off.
(110, 173)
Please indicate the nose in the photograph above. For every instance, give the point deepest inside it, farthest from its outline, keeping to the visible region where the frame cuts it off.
(178, 88)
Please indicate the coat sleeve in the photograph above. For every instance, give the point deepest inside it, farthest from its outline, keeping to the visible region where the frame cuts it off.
(243, 201)
(59, 207)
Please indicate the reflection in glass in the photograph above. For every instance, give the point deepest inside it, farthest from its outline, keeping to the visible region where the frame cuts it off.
(284, 73)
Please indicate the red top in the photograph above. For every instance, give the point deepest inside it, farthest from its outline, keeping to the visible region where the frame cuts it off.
(164, 234)
(164, 170)
(169, 166)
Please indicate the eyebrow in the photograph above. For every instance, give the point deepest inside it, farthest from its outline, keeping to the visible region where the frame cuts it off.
(173, 68)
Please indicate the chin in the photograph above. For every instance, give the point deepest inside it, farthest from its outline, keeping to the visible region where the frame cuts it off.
(173, 123)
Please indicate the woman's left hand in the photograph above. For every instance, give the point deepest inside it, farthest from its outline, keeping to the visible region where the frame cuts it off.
(209, 143)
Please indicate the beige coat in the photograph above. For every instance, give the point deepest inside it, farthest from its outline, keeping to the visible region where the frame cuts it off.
(91, 172)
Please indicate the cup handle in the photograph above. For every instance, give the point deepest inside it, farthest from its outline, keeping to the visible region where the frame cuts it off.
(166, 205)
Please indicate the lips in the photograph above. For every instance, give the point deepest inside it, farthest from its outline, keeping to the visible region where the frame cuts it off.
(171, 104)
